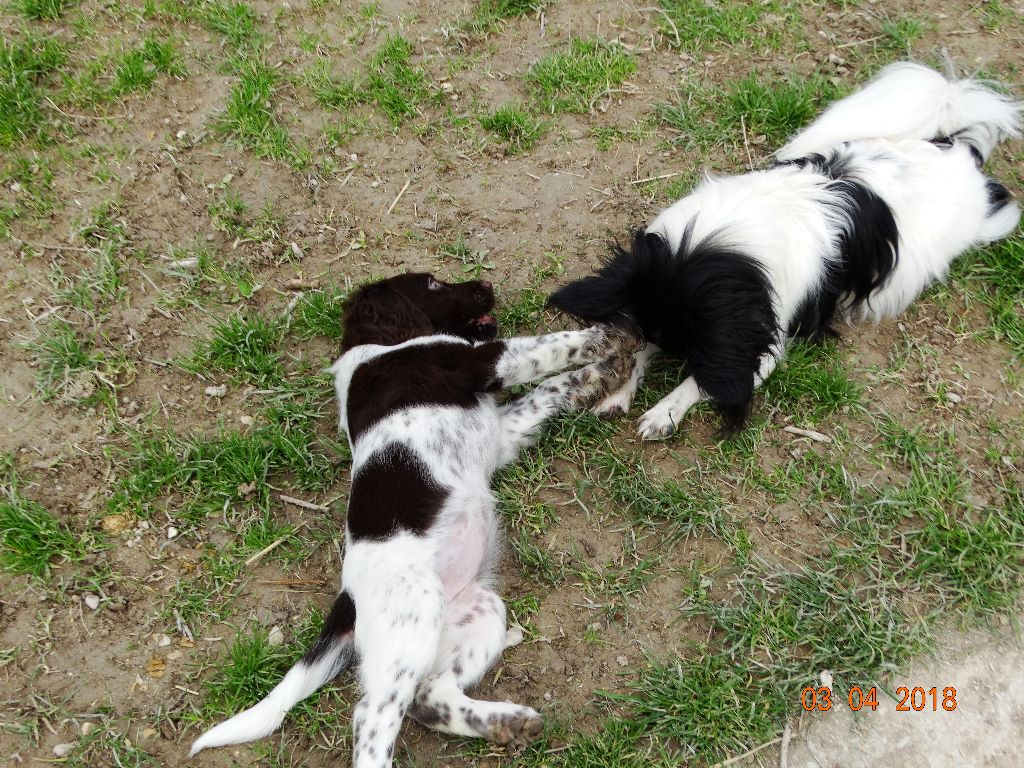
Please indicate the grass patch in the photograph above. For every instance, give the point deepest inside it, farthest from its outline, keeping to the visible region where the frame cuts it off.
(236, 22)
(24, 66)
(515, 126)
(712, 704)
(252, 667)
(811, 382)
(473, 262)
(522, 313)
(48, 10)
(392, 83)
(139, 68)
(31, 537)
(573, 81)
(695, 24)
(686, 507)
(490, 13)
(209, 473)
(60, 353)
(998, 282)
(204, 273)
(249, 118)
(246, 346)
(899, 35)
(230, 214)
(978, 561)
(713, 115)
(319, 313)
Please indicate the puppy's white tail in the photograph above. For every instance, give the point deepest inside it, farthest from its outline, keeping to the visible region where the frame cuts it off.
(330, 654)
(910, 101)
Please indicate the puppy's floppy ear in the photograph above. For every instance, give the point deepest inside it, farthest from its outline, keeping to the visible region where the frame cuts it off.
(379, 314)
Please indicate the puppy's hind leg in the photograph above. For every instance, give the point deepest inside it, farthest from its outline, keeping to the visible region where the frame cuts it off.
(474, 637)
(397, 637)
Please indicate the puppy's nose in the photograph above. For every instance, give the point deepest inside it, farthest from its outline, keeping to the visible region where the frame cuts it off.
(486, 284)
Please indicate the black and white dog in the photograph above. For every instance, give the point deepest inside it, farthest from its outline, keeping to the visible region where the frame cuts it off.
(863, 210)
(416, 607)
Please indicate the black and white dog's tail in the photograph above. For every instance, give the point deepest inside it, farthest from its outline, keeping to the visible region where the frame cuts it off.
(332, 652)
(910, 101)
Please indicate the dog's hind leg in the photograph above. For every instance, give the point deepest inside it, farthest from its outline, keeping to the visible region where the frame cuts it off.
(401, 618)
(474, 637)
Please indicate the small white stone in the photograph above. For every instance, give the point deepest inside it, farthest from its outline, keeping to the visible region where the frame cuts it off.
(163, 640)
(181, 134)
(353, 157)
(826, 678)
(374, 184)
(88, 728)
(63, 750)
(172, 533)
(92, 601)
(953, 397)
(621, 660)
(246, 419)
(275, 636)
(547, 696)
(216, 391)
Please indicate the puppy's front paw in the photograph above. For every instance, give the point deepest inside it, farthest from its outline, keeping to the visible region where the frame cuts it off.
(658, 423)
(607, 340)
(615, 405)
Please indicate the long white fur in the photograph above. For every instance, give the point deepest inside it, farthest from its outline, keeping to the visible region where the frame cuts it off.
(428, 623)
(787, 218)
(906, 100)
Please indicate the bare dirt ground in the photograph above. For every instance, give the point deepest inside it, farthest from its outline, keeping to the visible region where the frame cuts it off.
(541, 217)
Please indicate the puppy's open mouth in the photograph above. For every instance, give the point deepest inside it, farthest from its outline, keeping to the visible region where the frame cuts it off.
(485, 321)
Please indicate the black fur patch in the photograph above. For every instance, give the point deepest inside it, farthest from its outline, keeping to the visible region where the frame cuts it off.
(393, 492)
(998, 196)
(868, 252)
(707, 303)
(445, 373)
(340, 621)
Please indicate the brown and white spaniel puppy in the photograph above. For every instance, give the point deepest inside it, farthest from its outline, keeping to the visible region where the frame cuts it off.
(417, 610)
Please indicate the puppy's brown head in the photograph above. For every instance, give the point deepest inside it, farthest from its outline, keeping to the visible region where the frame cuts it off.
(417, 304)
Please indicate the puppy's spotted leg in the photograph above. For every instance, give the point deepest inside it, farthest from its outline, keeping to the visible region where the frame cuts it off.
(474, 638)
(573, 390)
(528, 358)
(618, 402)
(397, 642)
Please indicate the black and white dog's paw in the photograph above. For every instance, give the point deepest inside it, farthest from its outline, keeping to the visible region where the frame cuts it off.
(659, 423)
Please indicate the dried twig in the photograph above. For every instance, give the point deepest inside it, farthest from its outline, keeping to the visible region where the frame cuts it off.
(304, 504)
(398, 197)
(784, 750)
(745, 755)
(657, 178)
(817, 437)
(746, 142)
(269, 548)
